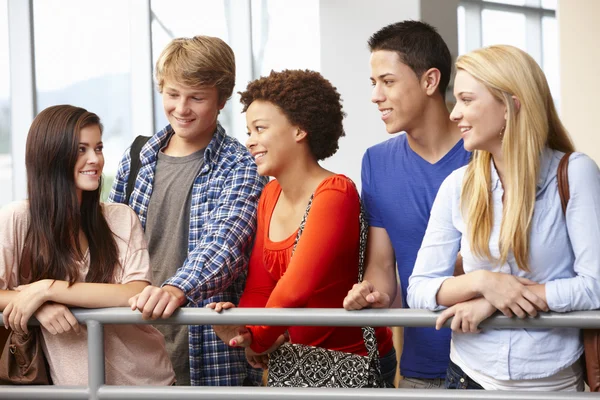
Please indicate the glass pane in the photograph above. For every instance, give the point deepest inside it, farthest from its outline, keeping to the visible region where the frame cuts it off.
(550, 58)
(201, 17)
(550, 4)
(462, 30)
(494, 24)
(6, 192)
(282, 43)
(82, 58)
(513, 2)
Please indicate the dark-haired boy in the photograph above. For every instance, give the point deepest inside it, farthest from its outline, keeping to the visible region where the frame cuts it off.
(410, 71)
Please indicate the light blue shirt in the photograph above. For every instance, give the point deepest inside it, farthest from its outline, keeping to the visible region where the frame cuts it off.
(565, 255)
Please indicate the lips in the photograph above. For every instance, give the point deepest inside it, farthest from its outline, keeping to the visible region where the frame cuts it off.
(259, 155)
(464, 129)
(89, 172)
(184, 120)
(385, 113)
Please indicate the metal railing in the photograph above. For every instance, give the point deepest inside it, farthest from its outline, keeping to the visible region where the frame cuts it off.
(97, 318)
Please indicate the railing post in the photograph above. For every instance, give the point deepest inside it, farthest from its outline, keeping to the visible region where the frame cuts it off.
(95, 357)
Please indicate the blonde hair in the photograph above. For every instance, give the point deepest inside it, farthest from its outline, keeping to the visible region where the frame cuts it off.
(198, 61)
(507, 71)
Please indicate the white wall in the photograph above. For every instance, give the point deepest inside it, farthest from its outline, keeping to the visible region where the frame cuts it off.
(346, 25)
(579, 31)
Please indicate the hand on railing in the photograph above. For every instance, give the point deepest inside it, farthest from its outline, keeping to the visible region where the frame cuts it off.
(363, 295)
(24, 304)
(56, 318)
(158, 302)
(467, 315)
(233, 335)
(510, 294)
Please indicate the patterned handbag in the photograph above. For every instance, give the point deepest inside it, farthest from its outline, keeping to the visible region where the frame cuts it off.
(298, 365)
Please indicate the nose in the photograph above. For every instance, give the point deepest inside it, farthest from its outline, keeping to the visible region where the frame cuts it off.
(251, 141)
(456, 114)
(93, 158)
(377, 95)
(182, 106)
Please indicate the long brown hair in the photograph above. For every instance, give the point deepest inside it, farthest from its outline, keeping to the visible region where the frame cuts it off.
(52, 247)
(507, 71)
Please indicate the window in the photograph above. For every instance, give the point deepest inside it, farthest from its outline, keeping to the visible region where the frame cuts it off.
(6, 194)
(527, 24)
(279, 41)
(183, 18)
(82, 58)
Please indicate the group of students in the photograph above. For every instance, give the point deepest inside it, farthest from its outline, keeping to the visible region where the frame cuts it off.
(464, 207)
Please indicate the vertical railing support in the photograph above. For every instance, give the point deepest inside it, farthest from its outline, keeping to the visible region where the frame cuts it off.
(95, 357)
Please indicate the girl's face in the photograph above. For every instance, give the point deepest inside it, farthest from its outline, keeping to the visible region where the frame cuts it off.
(480, 116)
(90, 160)
(272, 139)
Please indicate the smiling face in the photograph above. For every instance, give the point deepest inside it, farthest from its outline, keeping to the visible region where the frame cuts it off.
(397, 91)
(272, 139)
(192, 112)
(480, 116)
(90, 160)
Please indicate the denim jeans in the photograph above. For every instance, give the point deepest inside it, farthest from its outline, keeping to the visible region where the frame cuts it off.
(457, 379)
(388, 365)
(421, 383)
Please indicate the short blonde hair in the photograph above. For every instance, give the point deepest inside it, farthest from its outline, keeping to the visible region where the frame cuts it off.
(198, 61)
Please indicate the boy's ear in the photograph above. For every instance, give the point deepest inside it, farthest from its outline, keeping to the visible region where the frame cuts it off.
(431, 80)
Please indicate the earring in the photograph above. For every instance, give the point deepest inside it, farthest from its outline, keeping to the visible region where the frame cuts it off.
(502, 131)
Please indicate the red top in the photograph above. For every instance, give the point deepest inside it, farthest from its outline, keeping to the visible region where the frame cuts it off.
(323, 269)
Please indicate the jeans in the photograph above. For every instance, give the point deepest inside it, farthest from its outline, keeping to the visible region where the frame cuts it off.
(421, 383)
(388, 365)
(457, 379)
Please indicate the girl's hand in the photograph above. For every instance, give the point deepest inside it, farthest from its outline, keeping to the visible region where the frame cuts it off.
(56, 318)
(467, 315)
(257, 360)
(233, 335)
(511, 295)
(27, 301)
(261, 360)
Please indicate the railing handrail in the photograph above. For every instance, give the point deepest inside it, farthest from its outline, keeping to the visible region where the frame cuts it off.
(327, 317)
(95, 319)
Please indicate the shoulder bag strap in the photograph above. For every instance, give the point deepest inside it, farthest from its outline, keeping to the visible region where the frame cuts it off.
(135, 164)
(562, 176)
(368, 332)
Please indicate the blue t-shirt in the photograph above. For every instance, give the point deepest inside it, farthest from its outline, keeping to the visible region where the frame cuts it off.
(398, 190)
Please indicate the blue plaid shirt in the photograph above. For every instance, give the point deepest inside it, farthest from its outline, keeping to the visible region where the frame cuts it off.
(222, 225)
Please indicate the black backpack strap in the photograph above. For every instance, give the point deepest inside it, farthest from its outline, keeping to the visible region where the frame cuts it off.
(135, 164)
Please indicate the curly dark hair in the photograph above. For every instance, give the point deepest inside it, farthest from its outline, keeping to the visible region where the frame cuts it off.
(308, 100)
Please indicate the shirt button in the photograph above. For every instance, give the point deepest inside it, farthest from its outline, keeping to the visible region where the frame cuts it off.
(462, 380)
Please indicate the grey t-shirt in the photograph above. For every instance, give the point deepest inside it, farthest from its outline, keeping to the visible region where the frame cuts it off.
(167, 229)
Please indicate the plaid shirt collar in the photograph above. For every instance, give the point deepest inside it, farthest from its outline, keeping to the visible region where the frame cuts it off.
(150, 151)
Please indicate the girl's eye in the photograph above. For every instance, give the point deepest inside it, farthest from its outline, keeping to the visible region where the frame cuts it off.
(99, 149)
(81, 149)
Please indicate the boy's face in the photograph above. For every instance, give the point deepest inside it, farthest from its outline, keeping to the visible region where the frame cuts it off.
(397, 92)
(191, 111)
